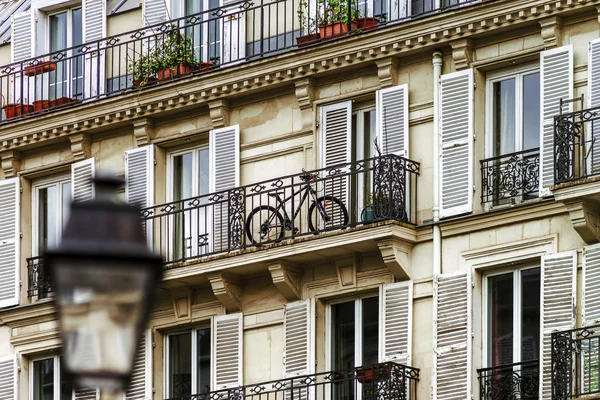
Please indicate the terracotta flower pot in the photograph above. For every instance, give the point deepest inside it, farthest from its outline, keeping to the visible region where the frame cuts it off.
(336, 29)
(41, 105)
(375, 373)
(13, 110)
(148, 81)
(205, 67)
(367, 24)
(307, 39)
(168, 74)
(40, 68)
(61, 101)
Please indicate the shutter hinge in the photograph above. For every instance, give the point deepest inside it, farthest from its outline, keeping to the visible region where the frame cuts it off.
(474, 85)
(473, 188)
(155, 163)
(318, 124)
(20, 189)
(20, 235)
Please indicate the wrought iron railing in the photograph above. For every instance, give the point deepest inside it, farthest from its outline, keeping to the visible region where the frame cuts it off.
(239, 32)
(510, 177)
(308, 203)
(385, 381)
(510, 381)
(40, 284)
(577, 145)
(576, 363)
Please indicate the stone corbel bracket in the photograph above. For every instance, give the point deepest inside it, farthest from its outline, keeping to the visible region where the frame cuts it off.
(397, 257)
(11, 163)
(219, 113)
(585, 219)
(462, 53)
(182, 304)
(81, 145)
(227, 290)
(286, 277)
(387, 71)
(143, 131)
(305, 94)
(551, 31)
(346, 271)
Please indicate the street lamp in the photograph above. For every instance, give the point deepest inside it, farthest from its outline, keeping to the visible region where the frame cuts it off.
(104, 276)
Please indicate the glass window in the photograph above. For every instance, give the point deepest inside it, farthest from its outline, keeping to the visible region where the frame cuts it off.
(189, 360)
(51, 207)
(65, 31)
(48, 382)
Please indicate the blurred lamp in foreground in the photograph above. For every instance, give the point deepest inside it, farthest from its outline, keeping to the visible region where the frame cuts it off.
(104, 276)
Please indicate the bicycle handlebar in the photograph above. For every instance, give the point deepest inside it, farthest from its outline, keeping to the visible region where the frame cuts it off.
(306, 176)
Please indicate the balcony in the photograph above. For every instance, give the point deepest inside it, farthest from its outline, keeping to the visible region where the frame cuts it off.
(237, 33)
(511, 381)
(385, 381)
(510, 178)
(40, 284)
(575, 363)
(300, 205)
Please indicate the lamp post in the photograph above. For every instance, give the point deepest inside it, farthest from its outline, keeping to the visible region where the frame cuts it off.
(104, 276)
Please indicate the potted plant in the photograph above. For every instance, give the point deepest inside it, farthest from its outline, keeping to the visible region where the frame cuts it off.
(368, 214)
(374, 373)
(174, 55)
(12, 110)
(144, 70)
(366, 24)
(308, 26)
(39, 67)
(334, 18)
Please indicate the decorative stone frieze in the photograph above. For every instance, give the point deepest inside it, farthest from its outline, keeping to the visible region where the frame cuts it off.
(227, 291)
(286, 278)
(551, 32)
(387, 71)
(462, 53)
(81, 145)
(219, 113)
(11, 163)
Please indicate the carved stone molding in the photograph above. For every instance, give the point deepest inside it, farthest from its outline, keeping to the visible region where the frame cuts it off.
(462, 53)
(219, 113)
(387, 71)
(585, 218)
(305, 94)
(182, 304)
(11, 163)
(227, 291)
(551, 32)
(81, 145)
(346, 271)
(143, 131)
(396, 256)
(286, 277)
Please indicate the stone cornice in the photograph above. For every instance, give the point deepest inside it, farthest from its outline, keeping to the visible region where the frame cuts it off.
(38, 312)
(400, 40)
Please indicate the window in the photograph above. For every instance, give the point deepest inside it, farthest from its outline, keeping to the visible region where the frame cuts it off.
(206, 31)
(65, 30)
(513, 316)
(46, 380)
(51, 201)
(363, 148)
(188, 363)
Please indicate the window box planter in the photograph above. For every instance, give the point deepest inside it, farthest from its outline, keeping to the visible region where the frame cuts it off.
(307, 39)
(41, 105)
(61, 101)
(13, 110)
(336, 29)
(204, 67)
(148, 81)
(40, 68)
(375, 373)
(367, 24)
(168, 74)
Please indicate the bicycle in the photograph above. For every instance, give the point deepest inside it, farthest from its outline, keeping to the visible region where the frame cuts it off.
(266, 223)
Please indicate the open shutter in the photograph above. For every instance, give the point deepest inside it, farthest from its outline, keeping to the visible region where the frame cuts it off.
(556, 82)
(8, 378)
(392, 120)
(227, 351)
(139, 176)
(86, 394)
(452, 336)
(154, 11)
(140, 386)
(396, 322)
(298, 353)
(9, 242)
(456, 127)
(82, 174)
(94, 29)
(593, 164)
(21, 36)
(591, 286)
(559, 283)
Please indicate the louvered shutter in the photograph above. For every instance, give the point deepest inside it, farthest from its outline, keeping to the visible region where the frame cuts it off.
(22, 36)
(591, 285)
(139, 176)
(456, 127)
(9, 242)
(392, 120)
(224, 154)
(8, 378)
(298, 353)
(556, 82)
(140, 386)
(155, 11)
(452, 336)
(82, 174)
(234, 32)
(86, 394)
(227, 351)
(593, 161)
(395, 341)
(559, 282)
(94, 29)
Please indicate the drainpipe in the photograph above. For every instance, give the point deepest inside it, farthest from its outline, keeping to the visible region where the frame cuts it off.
(437, 233)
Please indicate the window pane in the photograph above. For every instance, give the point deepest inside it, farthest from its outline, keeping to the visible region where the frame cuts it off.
(43, 379)
(180, 365)
(76, 31)
(530, 314)
(66, 386)
(370, 331)
(343, 335)
(531, 111)
(65, 203)
(500, 314)
(47, 218)
(504, 117)
(204, 173)
(203, 354)
(182, 176)
(58, 31)
(193, 7)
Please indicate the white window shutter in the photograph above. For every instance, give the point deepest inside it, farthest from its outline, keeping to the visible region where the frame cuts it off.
(82, 174)
(234, 33)
(9, 242)
(591, 286)
(452, 336)
(456, 127)
(94, 28)
(556, 82)
(559, 285)
(299, 335)
(139, 176)
(594, 101)
(154, 11)
(8, 378)
(22, 36)
(396, 302)
(392, 120)
(140, 386)
(94, 20)
(227, 351)
(86, 394)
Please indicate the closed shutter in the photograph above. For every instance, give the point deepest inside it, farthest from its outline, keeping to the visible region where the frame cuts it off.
(227, 351)
(556, 82)
(298, 353)
(94, 20)
(9, 242)
(86, 394)
(593, 162)
(591, 285)
(8, 378)
(224, 154)
(234, 32)
(82, 174)
(140, 386)
(155, 11)
(559, 281)
(452, 336)
(392, 120)
(94, 29)
(396, 322)
(21, 36)
(456, 127)
(139, 176)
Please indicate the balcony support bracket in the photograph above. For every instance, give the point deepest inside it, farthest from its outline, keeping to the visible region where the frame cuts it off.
(286, 277)
(219, 113)
(396, 256)
(305, 94)
(462, 53)
(387, 72)
(81, 146)
(11, 163)
(143, 131)
(551, 32)
(227, 291)
(585, 219)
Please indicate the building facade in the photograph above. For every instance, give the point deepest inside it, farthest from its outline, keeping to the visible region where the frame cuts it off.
(363, 199)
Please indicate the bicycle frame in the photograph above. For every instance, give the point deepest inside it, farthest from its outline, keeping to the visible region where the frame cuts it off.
(307, 189)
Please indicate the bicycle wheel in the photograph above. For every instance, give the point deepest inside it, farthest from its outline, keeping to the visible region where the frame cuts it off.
(335, 214)
(264, 224)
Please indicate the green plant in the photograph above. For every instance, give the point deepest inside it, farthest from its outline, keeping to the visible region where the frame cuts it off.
(173, 49)
(308, 24)
(333, 11)
(143, 68)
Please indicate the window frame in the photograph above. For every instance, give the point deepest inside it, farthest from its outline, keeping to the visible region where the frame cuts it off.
(170, 168)
(56, 374)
